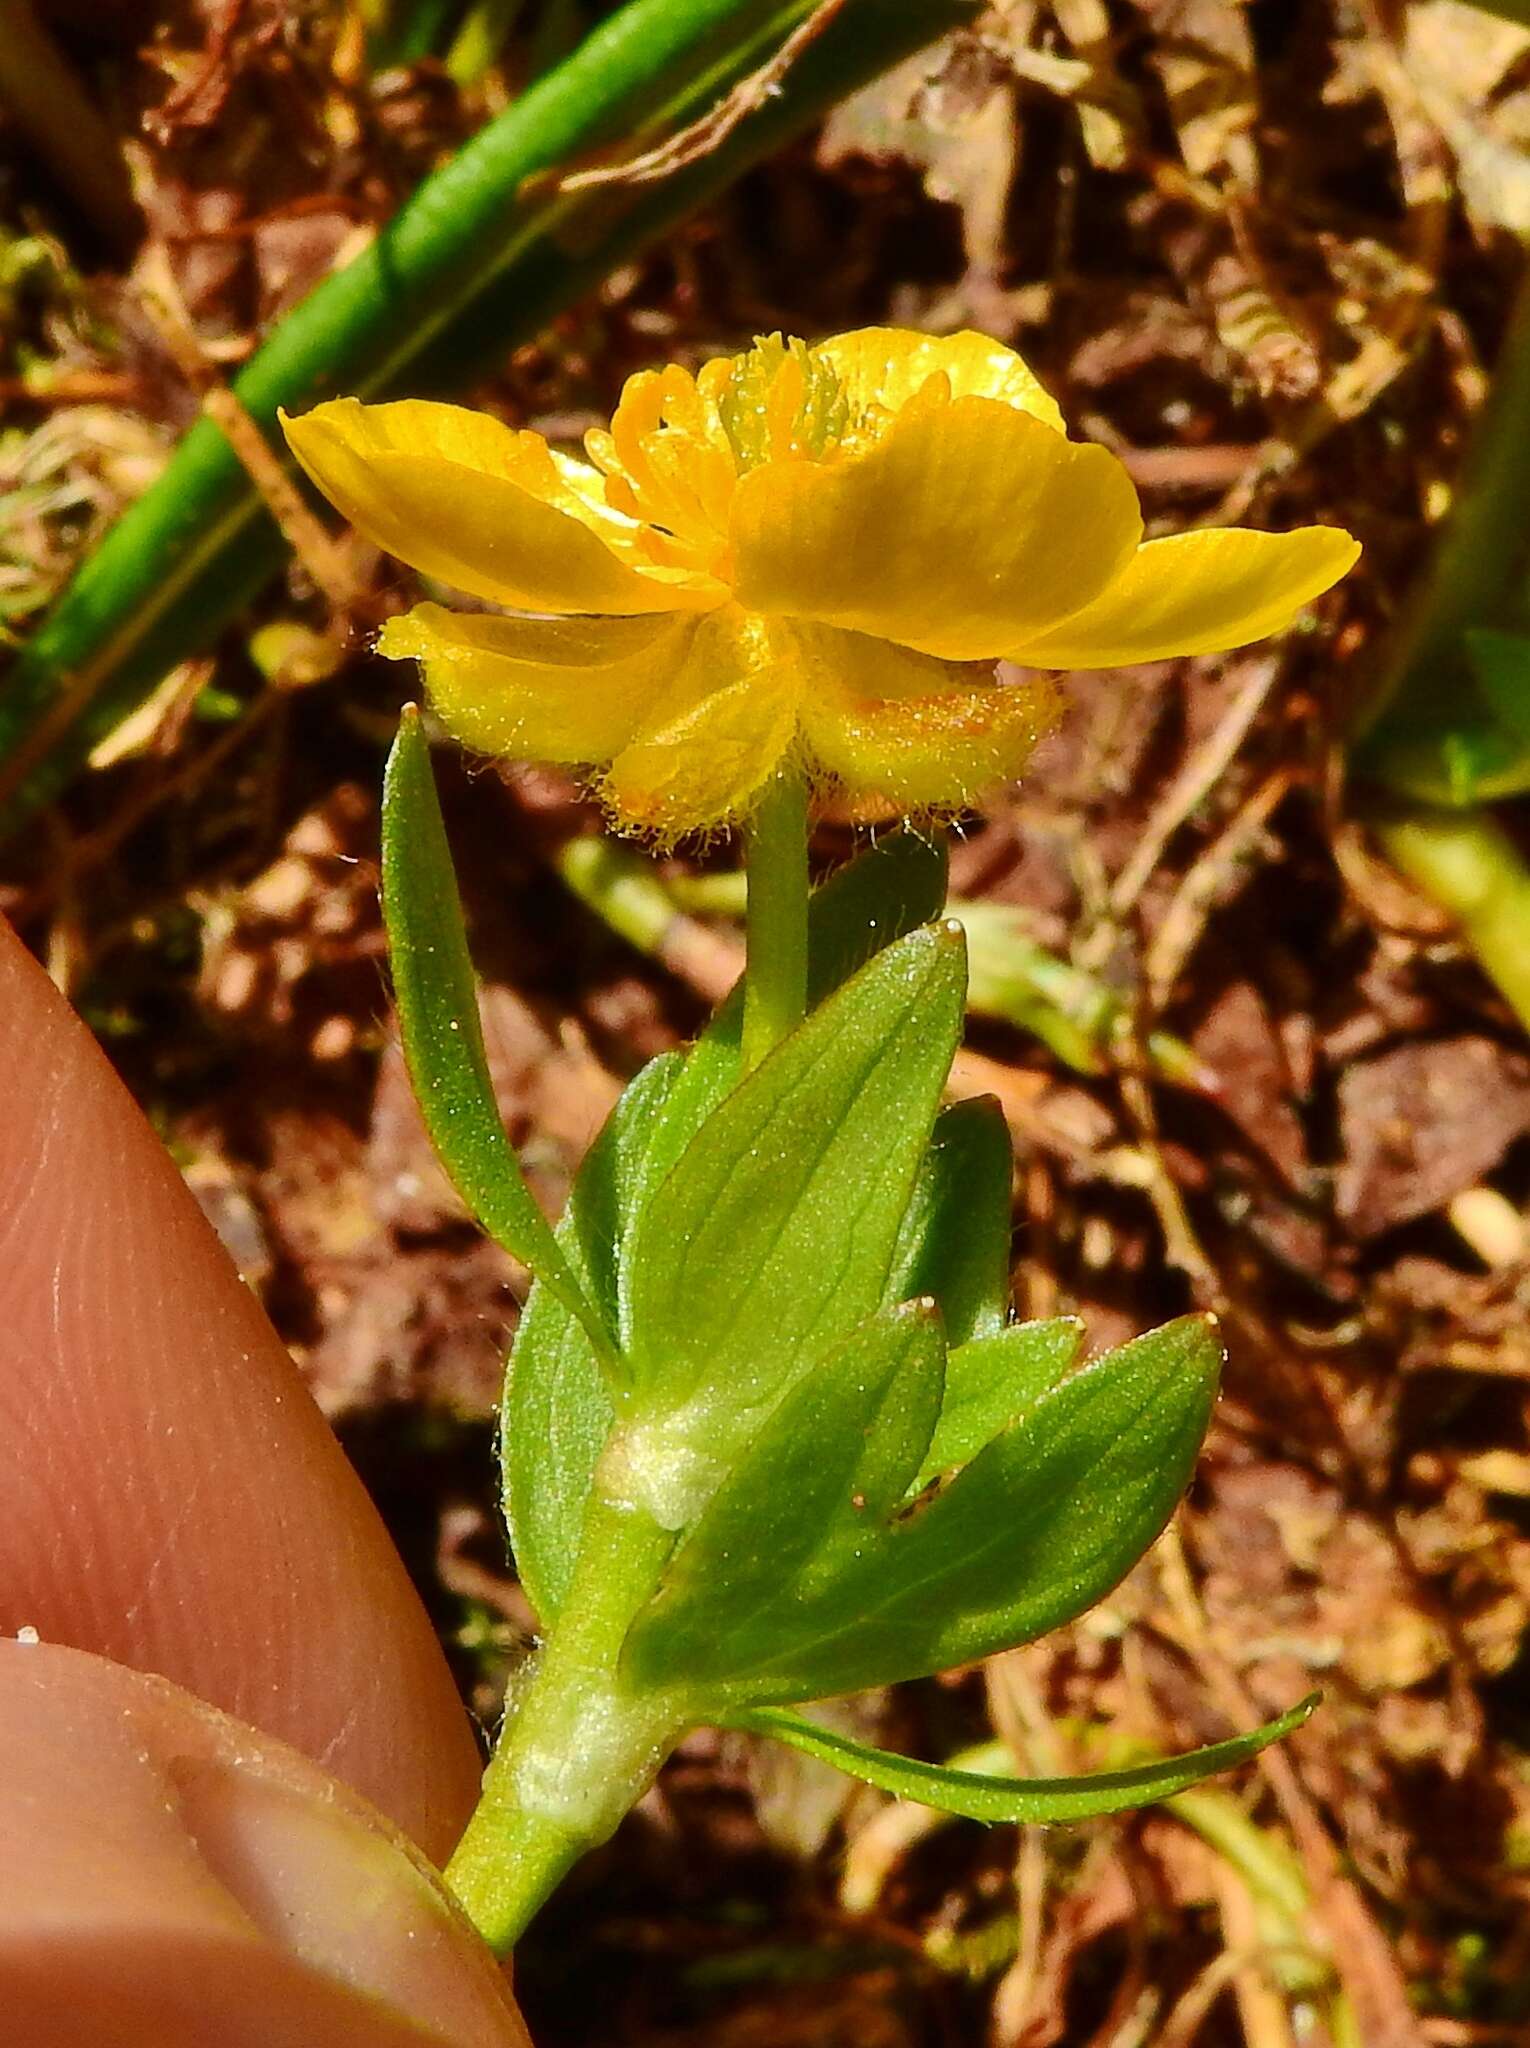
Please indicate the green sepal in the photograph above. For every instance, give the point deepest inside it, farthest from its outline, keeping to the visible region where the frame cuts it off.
(991, 1383)
(1037, 1528)
(443, 1040)
(557, 1412)
(834, 1459)
(955, 1237)
(773, 1235)
(974, 1795)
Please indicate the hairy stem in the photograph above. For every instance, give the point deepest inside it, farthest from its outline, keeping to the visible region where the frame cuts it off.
(577, 1750)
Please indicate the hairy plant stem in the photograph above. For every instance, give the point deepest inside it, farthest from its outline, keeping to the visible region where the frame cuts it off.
(576, 1750)
(776, 926)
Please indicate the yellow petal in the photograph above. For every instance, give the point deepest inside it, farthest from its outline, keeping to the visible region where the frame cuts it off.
(918, 733)
(969, 527)
(462, 497)
(1196, 593)
(569, 690)
(723, 725)
(886, 366)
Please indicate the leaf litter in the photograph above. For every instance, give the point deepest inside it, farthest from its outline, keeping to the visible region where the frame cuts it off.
(1264, 253)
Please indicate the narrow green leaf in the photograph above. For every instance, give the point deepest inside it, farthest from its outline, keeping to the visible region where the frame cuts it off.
(557, 1412)
(1042, 1523)
(834, 1459)
(438, 1019)
(773, 1235)
(991, 1383)
(975, 1796)
(955, 1237)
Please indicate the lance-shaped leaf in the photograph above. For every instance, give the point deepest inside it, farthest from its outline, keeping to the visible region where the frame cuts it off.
(954, 1241)
(438, 1020)
(976, 1796)
(557, 1411)
(834, 1459)
(881, 896)
(991, 1383)
(1042, 1523)
(773, 1235)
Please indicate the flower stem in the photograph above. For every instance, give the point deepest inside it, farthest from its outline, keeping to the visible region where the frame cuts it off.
(578, 1749)
(775, 976)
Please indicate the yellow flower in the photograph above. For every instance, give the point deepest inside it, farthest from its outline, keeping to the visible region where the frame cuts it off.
(807, 553)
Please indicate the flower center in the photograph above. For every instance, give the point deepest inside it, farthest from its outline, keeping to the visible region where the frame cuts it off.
(782, 401)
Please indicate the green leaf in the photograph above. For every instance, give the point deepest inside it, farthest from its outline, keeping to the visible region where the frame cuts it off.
(835, 1458)
(1042, 1523)
(773, 1235)
(881, 896)
(975, 1796)
(556, 1412)
(991, 1383)
(955, 1237)
(438, 1018)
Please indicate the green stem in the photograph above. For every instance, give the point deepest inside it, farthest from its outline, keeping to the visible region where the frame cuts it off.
(1472, 868)
(577, 1749)
(776, 925)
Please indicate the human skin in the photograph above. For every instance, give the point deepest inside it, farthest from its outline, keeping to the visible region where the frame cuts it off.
(172, 1501)
(170, 1878)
